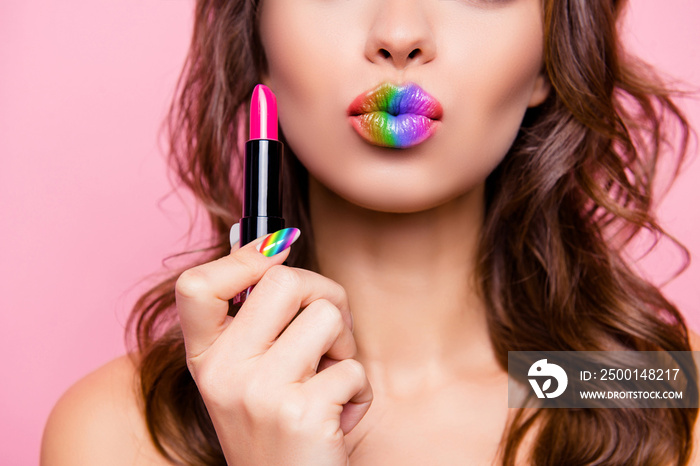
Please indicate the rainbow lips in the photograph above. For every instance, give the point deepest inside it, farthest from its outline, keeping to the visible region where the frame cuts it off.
(395, 116)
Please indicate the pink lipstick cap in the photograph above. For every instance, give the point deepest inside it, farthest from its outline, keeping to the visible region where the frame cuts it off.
(263, 114)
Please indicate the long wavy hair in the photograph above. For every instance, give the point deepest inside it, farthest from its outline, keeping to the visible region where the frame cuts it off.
(577, 183)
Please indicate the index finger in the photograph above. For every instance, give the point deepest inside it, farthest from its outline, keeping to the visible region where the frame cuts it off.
(202, 293)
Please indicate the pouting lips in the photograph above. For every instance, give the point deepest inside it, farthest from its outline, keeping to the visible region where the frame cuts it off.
(395, 116)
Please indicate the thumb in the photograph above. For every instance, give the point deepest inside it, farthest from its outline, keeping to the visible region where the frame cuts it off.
(235, 236)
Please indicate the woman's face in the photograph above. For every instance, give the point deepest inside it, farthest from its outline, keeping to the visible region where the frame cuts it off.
(402, 105)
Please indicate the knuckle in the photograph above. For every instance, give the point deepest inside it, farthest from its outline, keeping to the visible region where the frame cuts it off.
(329, 313)
(282, 277)
(341, 293)
(354, 368)
(345, 304)
(192, 283)
(292, 412)
(329, 432)
(250, 268)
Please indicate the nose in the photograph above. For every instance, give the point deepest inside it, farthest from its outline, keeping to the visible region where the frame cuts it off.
(400, 34)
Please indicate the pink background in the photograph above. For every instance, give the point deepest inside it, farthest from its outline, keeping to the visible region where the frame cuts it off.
(84, 198)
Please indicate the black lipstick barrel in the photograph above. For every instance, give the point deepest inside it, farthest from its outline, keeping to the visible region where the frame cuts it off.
(262, 195)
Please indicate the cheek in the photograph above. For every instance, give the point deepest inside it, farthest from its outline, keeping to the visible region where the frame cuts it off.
(494, 73)
(304, 46)
(500, 65)
(307, 66)
(290, 53)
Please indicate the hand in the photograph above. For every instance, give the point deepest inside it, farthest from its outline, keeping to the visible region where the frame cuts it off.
(280, 390)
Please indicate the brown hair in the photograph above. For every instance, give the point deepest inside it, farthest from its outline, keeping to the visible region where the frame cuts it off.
(577, 183)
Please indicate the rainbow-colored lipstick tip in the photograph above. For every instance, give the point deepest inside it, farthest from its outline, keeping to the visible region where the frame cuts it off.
(395, 116)
(278, 241)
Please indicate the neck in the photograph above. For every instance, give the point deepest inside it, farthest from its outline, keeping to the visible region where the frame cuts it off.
(410, 283)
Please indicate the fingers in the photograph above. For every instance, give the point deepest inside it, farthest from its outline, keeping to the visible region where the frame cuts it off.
(326, 362)
(343, 383)
(234, 236)
(292, 336)
(319, 330)
(274, 302)
(202, 293)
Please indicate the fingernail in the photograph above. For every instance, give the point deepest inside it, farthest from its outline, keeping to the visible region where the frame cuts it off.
(278, 241)
(235, 234)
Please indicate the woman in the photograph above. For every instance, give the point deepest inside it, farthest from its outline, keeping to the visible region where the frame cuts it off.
(500, 229)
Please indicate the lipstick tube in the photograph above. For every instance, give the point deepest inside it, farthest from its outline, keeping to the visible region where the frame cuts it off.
(262, 195)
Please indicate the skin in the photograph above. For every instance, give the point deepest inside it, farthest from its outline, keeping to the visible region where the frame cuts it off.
(493, 78)
(406, 373)
(398, 229)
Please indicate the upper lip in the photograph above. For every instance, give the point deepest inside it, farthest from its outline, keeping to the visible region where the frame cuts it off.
(408, 98)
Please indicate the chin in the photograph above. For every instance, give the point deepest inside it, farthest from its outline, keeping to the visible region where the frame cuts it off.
(390, 197)
(396, 203)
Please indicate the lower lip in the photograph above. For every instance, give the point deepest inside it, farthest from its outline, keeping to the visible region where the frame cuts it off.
(399, 132)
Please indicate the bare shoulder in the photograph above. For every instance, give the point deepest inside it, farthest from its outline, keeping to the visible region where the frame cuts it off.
(99, 421)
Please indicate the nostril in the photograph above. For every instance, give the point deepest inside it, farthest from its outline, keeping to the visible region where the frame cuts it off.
(385, 53)
(414, 53)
